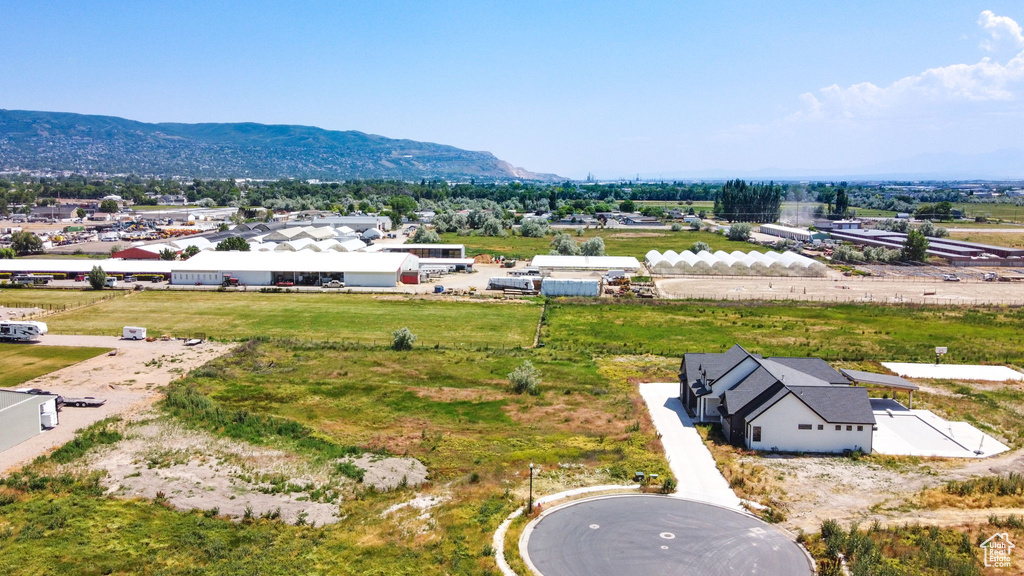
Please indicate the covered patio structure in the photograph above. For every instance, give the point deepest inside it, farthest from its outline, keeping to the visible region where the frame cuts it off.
(893, 383)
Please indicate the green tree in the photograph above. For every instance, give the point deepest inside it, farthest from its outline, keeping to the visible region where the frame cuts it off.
(168, 254)
(189, 251)
(492, 227)
(402, 339)
(533, 229)
(593, 247)
(627, 206)
(6, 253)
(26, 243)
(564, 245)
(403, 205)
(97, 278)
(842, 204)
(525, 378)
(233, 243)
(424, 236)
(914, 246)
(80, 213)
(108, 206)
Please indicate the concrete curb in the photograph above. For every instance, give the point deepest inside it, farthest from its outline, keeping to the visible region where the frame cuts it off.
(498, 542)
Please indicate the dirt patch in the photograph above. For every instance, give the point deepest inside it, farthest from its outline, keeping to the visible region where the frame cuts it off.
(569, 418)
(388, 473)
(195, 470)
(448, 394)
(18, 313)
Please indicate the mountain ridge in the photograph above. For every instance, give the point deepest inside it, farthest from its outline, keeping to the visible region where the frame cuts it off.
(37, 140)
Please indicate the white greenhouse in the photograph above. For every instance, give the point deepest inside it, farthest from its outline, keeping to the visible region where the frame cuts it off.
(737, 263)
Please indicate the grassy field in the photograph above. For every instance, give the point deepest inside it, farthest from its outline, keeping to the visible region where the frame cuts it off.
(1007, 239)
(617, 242)
(52, 299)
(238, 316)
(837, 332)
(451, 409)
(21, 363)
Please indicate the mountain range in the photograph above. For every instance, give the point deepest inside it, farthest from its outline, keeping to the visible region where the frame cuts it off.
(58, 141)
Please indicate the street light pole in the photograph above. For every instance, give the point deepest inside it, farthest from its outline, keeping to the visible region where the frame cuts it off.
(531, 488)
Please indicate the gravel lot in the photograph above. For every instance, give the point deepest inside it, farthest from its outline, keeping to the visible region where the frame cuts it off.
(128, 380)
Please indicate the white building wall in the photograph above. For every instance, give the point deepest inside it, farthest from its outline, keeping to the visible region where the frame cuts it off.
(780, 430)
(372, 279)
(733, 377)
(20, 422)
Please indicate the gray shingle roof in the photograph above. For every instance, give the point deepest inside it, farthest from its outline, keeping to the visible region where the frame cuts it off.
(814, 366)
(838, 404)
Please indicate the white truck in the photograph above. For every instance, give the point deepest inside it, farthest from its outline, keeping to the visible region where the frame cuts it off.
(133, 333)
(22, 331)
(111, 282)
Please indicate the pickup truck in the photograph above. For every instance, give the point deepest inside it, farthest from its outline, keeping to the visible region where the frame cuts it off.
(334, 284)
(85, 402)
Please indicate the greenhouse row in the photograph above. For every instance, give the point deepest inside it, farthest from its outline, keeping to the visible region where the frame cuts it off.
(737, 263)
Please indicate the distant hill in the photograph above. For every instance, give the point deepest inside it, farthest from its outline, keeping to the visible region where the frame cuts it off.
(84, 143)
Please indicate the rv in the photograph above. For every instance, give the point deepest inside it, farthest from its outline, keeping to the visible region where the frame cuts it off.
(21, 331)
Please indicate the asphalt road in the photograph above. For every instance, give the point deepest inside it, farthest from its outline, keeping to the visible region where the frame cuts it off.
(640, 534)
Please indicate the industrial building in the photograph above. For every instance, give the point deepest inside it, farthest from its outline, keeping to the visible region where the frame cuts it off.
(25, 415)
(428, 250)
(957, 252)
(303, 268)
(736, 263)
(72, 267)
(790, 233)
(780, 403)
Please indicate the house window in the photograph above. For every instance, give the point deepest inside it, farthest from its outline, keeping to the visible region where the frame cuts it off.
(755, 435)
(860, 428)
(804, 426)
(838, 427)
(849, 428)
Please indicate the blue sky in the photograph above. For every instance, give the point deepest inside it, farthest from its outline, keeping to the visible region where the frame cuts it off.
(613, 88)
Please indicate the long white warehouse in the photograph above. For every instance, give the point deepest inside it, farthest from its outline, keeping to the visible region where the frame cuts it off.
(300, 268)
(737, 263)
(555, 262)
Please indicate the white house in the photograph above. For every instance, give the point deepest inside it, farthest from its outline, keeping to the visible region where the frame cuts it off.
(779, 403)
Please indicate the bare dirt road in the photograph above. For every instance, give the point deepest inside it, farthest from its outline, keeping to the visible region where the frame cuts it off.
(128, 381)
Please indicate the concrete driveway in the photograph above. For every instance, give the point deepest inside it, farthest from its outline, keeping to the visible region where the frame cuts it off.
(697, 476)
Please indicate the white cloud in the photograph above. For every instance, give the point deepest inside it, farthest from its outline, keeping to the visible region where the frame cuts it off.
(931, 92)
(1001, 29)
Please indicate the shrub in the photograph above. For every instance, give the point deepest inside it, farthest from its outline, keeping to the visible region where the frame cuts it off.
(424, 236)
(668, 486)
(698, 246)
(402, 339)
(533, 229)
(677, 227)
(492, 227)
(525, 378)
(739, 231)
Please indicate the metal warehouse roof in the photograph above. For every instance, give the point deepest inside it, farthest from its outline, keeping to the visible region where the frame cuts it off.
(84, 265)
(879, 379)
(587, 262)
(302, 261)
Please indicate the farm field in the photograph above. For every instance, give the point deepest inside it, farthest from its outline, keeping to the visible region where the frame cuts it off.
(23, 362)
(49, 298)
(1007, 239)
(617, 242)
(837, 332)
(240, 316)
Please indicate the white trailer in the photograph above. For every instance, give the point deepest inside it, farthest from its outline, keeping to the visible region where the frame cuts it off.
(133, 333)
(21, 330)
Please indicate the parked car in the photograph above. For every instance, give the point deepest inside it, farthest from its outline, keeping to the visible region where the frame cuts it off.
(335, 284)
(285, 284)
(950, 277)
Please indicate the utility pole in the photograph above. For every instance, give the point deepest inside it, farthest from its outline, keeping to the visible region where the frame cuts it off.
(531, 489)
